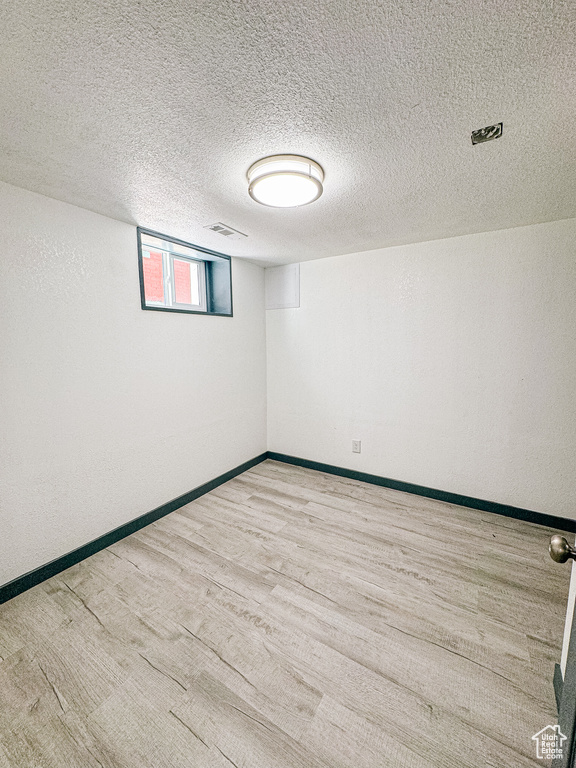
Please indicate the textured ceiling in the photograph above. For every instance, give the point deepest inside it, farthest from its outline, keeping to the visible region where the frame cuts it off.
(151, 112)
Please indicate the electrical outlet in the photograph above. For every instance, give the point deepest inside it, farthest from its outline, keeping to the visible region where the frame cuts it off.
(356, 446)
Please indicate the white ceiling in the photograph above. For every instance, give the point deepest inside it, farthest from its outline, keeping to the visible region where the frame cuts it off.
(151, 112)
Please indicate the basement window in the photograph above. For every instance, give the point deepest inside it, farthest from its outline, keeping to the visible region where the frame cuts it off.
(180, 277)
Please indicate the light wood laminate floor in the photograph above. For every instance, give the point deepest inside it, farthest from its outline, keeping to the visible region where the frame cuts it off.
(290, 619)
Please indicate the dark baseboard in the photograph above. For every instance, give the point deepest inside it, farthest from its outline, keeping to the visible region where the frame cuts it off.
(551, 521)
(38, 575)
(558, 684)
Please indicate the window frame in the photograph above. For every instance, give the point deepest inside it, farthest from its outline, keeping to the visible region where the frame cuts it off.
(215, 282)
(202, 307)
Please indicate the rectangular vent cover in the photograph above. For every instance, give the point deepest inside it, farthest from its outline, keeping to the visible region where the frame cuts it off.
(224, 229)
(487, 134)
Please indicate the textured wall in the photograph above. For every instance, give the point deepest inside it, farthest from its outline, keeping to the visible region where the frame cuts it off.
(108, 411)
(454, 362)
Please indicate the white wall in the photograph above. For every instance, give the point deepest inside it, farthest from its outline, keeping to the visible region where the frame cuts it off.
(454, 361)
(107, 411)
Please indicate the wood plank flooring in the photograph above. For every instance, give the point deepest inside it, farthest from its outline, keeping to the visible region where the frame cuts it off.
(290, 619)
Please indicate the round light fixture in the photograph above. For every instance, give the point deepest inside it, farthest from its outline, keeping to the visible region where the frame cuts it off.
(285, 181)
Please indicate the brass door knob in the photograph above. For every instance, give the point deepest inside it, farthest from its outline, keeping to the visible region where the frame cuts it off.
(560, 550)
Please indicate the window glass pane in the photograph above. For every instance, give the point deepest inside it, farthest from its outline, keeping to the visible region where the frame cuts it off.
(195, 269)
(178, 249)
(153, 276)
(186, 288)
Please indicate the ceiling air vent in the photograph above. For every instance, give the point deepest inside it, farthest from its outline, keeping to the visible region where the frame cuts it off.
(487, 134)
(223, 229)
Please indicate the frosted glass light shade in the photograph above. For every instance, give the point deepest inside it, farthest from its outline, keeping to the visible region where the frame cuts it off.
(285, 181)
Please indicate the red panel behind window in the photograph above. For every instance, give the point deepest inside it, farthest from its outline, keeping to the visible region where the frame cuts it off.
(153, 276)
(182, 284)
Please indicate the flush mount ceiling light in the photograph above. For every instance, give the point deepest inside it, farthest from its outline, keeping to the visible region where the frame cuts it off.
(285, 181)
